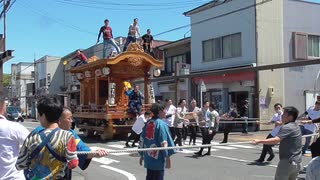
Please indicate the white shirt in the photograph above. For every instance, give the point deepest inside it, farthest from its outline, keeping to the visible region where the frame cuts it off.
(313, 169)
(312, 114)
(276, 117)
(170, 111)
(214, 116)
(12, 135)
(139, 124)
(134, 28)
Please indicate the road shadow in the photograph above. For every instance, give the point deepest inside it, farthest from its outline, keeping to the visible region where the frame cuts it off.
(97, 139)
(194, 156)
(258, 163)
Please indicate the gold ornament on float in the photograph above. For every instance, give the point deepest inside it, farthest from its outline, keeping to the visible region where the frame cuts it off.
(135, 61)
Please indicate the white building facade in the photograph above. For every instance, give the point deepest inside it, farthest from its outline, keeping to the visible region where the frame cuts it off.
(48, 75)
(21, 76)
(233, 34)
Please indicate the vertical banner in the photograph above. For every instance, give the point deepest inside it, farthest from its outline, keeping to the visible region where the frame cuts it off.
(152, 98)
(112, 93)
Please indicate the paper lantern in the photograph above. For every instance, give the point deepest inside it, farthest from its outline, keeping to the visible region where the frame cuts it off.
(87, 74)
(106, 71)
(98, 72)
(79, 76)
(156, 72)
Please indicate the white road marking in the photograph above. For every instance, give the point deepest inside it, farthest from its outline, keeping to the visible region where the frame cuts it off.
(261, 176)
(125, 173)
(225, 147)
(188, 151)
(243, 146)
(104, 160)
(119, 146)
(240, 160)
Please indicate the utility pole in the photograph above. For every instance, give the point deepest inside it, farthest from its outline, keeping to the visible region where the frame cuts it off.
(3, 48)
(35, 86)
(6, 54)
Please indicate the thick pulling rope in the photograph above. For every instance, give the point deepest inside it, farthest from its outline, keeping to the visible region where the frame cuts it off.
(162, 148)
(175, 147)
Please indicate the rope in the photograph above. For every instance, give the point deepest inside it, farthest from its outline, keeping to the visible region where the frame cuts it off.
(174, 147)
(163, 148)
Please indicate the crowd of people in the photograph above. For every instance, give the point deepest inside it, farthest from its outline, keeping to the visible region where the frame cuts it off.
(50, 150)
(180, 121)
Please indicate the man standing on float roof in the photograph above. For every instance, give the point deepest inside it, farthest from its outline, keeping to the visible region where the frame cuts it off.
(107, 38)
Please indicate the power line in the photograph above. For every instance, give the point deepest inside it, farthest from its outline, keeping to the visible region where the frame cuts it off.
(57, 20)
(209, 19)
(35, 63)
(205, 20)
(91, 5)
(136, 4)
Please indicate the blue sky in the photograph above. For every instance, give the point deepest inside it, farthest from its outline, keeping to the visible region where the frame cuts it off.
(57, 27)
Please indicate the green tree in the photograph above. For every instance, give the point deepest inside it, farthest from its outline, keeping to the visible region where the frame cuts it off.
(6, 80)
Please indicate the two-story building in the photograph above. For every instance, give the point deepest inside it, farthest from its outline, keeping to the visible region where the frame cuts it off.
(21, 76)
(177, 60)
(48, 75)
(225, 42)
(231, 35)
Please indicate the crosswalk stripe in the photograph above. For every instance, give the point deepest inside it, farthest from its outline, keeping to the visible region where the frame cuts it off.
(225, 147)
(119, 146)
(243, 146)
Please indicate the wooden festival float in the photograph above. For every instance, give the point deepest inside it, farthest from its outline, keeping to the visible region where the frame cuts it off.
(104, 107)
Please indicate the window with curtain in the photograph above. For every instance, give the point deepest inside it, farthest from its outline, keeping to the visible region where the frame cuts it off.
(222, 47)
(227, 46)
(168, 65)
(207, 50)
(313, 46)
(236, 45)
(217, 48)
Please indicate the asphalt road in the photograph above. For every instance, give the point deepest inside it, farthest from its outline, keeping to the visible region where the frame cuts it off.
(231, 162)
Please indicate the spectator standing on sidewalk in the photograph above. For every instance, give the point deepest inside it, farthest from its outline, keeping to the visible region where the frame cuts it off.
(12, 135)
(290, 140)
(243, 112)
(276, 120)
(228, 126)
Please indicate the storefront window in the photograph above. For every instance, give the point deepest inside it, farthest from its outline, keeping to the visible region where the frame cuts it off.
(216, 96)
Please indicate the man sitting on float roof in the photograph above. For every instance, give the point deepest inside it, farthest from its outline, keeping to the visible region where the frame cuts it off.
(135, 99)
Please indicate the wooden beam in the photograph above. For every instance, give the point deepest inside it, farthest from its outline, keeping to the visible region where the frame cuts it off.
(296, 63)
(96, 89)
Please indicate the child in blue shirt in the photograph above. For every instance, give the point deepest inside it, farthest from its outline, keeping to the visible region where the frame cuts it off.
(156, 134)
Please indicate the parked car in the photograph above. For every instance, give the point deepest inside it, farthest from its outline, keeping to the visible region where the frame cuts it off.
(14, 113)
